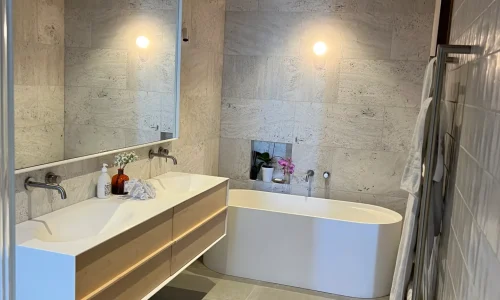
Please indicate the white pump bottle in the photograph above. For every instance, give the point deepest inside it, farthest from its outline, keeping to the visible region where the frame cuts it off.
(104, 183)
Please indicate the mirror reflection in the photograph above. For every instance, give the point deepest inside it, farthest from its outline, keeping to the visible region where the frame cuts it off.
(92, 76)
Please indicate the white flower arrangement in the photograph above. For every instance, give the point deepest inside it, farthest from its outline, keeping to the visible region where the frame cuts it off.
(123, 159)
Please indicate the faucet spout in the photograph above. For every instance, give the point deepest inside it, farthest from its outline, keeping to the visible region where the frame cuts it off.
(30, 183)
(163, 153)
(174, 160)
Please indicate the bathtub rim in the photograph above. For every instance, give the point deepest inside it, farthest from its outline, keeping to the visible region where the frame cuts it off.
(398, 217)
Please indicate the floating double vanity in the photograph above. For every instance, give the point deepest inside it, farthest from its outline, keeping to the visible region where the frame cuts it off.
(120, 248)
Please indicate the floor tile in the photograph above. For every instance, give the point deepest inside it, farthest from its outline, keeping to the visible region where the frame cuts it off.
(230, 290)
(190, 281)
(264, 293)
(199, 280)
(172, 293)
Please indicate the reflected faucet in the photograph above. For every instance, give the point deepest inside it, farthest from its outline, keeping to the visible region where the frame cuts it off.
(309, 174)
(52, 182)
(163, 153)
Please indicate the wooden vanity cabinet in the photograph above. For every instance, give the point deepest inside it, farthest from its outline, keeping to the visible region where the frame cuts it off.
(134, 263)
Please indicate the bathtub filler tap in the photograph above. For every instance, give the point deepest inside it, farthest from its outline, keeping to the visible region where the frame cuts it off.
(309, 174)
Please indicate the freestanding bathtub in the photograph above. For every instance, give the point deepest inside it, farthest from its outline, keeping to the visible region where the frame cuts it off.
(330, 246)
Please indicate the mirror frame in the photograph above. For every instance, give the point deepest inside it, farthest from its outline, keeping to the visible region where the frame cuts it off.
(178, 48)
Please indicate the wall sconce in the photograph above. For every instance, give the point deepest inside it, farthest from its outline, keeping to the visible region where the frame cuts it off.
(142, 42)
(320, 48)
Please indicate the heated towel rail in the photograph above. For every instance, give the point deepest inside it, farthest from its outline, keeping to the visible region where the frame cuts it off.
(430, 160)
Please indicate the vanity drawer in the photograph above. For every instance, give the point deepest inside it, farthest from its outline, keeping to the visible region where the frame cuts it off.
(98, 266)
(192, 244)
(142, 280)
(189, 214)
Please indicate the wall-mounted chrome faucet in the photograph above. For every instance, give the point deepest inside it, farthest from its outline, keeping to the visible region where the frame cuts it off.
(309, 174)
(163, 153)
(52, 182)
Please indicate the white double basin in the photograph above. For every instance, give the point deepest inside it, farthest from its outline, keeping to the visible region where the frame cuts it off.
(75, 229)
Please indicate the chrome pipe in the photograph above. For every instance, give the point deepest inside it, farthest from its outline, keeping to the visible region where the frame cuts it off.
(7, 177)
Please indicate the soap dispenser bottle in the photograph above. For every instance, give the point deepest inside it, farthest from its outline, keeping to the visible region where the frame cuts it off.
(104, 183)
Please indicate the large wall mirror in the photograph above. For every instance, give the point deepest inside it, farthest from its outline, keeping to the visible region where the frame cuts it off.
(93, 76)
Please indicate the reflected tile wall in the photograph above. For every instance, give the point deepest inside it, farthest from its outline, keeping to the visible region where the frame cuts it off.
(470, 251)
(107, 77)
(38, 81)
(197, 149)
(351, 112)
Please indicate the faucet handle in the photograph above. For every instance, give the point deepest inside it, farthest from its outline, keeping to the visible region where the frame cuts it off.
(163, 151)
(51, 178)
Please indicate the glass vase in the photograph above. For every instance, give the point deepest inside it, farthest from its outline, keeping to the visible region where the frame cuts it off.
(118, 183)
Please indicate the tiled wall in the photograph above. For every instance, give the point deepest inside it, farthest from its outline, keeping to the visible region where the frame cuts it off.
(351, 112)
(117, 94)
(38, 81)
(470, 252)
(197, 149)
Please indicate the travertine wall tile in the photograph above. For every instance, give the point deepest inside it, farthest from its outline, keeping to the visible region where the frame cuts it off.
(257, 120)
(399, 124)
(362, 95)
(242, 5)
(296, 5)
(50, 21)
(38, 105)
(376, 82)
(350, 126)
(96, 67)
(208, 21)
(366, 35)
(77, 28)
(368, 172)
(306, 157)
(39, 81)
(38, 145)
(48, 61)
(410, 38)
(101, 54)
(152, 4)
(234, 159)
(103, 139)
(355, 6)
(262, 33)
(419, 6)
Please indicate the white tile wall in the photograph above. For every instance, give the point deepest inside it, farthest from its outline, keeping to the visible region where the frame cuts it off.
(470, 254)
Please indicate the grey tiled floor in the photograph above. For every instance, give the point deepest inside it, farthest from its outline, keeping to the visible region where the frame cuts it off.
(208, 285)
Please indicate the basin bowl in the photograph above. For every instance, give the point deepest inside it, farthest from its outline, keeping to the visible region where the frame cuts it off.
(91, 219)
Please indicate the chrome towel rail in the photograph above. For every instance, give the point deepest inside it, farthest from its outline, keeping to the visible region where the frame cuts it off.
(430, 159)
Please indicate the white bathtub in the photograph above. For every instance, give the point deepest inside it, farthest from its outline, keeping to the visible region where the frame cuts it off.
(330, 246)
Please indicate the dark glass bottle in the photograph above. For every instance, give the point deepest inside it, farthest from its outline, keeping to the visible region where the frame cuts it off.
(118, 183)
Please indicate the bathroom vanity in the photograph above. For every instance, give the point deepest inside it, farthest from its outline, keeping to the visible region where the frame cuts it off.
(120, 248)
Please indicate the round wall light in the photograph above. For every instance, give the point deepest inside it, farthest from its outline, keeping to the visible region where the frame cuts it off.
(320, 48)
(142, 42)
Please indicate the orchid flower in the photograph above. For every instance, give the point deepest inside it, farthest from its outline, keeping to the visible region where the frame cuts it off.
(287, 165)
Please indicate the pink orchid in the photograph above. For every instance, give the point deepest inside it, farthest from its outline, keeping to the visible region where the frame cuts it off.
(287, 165)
